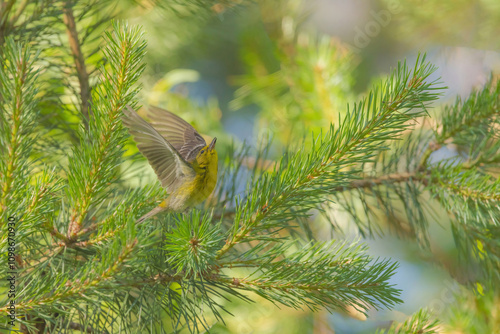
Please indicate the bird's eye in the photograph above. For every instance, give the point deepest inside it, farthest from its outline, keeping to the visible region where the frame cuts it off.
(202, 151)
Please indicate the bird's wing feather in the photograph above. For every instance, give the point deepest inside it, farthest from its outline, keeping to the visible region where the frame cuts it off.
(170, 167)
(179, 133)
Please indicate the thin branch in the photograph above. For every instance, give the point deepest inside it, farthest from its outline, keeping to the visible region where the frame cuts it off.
(389, 178)
(78, 287)
(265, 284)
(98, 239)
(81, 68)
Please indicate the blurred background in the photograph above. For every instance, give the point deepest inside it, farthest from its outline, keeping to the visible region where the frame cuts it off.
(247, 71)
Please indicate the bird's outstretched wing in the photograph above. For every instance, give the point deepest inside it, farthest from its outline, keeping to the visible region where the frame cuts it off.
(179, 133)
(170, 167)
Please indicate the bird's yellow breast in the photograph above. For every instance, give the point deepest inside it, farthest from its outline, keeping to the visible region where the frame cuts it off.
(203, 185)
(196, 189)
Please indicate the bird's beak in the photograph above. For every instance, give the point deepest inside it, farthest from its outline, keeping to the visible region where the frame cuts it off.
(212, 144)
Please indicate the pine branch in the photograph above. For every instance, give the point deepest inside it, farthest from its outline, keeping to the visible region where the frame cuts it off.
(47, 293)
(18, 117)
(392, 190)
(332, 275)
(304, 179)
(468, 195)
(470, 184)
(108, 228)
(471, 115)
(383, 179)
(83, 284)
(125, 50)
(471, 199)
(192, 246)
(473, 126)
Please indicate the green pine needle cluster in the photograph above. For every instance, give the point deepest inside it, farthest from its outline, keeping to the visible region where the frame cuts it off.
(192, 245)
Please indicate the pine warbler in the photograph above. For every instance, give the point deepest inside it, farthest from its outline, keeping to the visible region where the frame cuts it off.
(180, 157)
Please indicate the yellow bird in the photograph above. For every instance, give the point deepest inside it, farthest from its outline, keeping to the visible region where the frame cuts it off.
(180, 157)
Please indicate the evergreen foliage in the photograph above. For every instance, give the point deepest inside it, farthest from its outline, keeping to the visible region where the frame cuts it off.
(420, 322)
(82, 264)
(466, 187)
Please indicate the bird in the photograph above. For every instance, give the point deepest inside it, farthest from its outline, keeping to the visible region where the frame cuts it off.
(185, 165)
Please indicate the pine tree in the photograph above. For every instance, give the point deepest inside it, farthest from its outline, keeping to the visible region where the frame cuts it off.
(68, 212)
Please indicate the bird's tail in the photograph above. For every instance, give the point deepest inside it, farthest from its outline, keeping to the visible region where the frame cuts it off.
(150, 214)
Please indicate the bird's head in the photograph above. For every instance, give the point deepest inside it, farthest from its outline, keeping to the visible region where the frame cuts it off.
(207, 155)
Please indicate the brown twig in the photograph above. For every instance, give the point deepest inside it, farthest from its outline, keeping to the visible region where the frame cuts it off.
(81, 68)
(370, 182)
(77, 287)
(244, 283)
